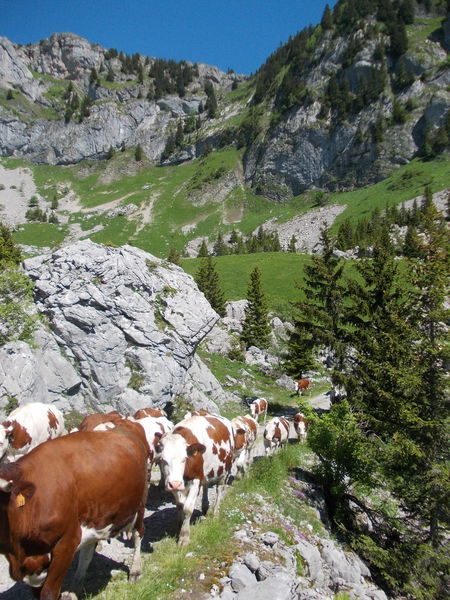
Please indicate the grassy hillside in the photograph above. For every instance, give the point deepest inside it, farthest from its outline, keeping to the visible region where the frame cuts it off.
(280, 273)
(176, 204)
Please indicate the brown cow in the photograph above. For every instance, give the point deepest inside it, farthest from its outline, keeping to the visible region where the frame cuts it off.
(94, 421)
(301, 426)
(259, 407)
(245, 432)
(276, 434)
(67, 494)
(302, 385)
(198, 452)
(149, 412)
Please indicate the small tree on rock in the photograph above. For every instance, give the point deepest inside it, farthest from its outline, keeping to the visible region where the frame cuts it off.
(207, 280)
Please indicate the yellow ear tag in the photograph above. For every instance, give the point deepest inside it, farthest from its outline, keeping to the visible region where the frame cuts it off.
(20, 500)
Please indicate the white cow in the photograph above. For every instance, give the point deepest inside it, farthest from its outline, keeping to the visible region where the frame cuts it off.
(28, 426)
(259, 407)
(197, 453)
(301, 426)
(276, 434)
(245, 432)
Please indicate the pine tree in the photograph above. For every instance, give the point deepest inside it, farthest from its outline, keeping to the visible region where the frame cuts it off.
(255, 328)
(327, 18)
(93, 77)
(220, 247)
(411, 245)
(211, 102)
(319, 319)
(399, 39)
(110, 75)
(406, 12)
(207, 280)
(179, 135)
(203, 250)
(10, 95)
(138, 153)
(9, 252)
(174, 256)
(292, 242)
(110, 153)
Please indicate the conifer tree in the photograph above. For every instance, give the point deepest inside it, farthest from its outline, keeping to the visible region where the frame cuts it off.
(174, 256)
(110, 153)
(179, 135)
(207, 280)
(9, 252)
(255, 328)
(411, 245)
(327, 18)
(220, 247)
(319, 319)
(203, 250)
(211, 102)
(138, 153)
(292, 242)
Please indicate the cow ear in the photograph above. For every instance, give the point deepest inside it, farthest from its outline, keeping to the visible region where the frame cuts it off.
(195, 449)
(6, 485)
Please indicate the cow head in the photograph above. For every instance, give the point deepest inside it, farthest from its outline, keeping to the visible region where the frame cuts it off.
(179, 461)
(272, 430)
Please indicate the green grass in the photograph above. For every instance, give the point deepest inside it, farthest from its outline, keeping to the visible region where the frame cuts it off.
(421, 30)
(169, 567)
(280, 272)
(403, 184)
(40, 234)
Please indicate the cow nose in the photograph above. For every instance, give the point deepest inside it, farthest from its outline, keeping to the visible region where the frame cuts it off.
(175, 485)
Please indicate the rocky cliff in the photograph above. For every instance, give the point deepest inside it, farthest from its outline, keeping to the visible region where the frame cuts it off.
(119, 330)
(70, 100)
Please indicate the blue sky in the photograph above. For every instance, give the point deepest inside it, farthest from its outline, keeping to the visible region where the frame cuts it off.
(239, 34)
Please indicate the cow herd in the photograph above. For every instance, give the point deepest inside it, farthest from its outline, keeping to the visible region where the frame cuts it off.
(64, 492)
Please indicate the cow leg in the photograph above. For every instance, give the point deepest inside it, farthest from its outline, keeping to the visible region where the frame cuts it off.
(136, 564)
(62, 557)
(205, 500)
(84, 560)
(220, 488)
(188, 509)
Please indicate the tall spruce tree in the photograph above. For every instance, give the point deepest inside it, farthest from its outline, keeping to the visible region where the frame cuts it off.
(208, 282)
(319, 320)
(255, 329)
(203, 250)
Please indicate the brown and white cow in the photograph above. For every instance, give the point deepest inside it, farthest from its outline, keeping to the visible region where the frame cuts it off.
(301, 426)
(302, 385)
(67, 494)
(259, 407)
(149, 412)
(245, 432)
(28, 426)
(197, 453)
(276, 434)
(155, 428)
(99, 421)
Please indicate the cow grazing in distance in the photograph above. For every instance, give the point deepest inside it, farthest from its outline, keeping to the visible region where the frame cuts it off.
(66, 495)
(197, 453)
(245, 432)
(28, 426)
(99, 421)
(259, 407)
(149, 412)
(276, 434)
(301, 426)
(302, 385)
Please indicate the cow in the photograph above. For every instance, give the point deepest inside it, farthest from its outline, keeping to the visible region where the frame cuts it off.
(276, 434)
(66, 495)
(155, 428)
(259, 407)
(245, 432)
(201, 412)
(302, 385)
(28, 426)
(197, 453)
(301, 426)
(149, 412)
(99, 421)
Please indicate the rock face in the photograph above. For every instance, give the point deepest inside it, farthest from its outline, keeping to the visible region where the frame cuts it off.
(121, 332)
(123, 111)
(310, 147)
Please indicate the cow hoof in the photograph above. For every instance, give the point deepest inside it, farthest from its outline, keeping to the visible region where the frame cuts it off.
(68, 596)
(134, 576)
